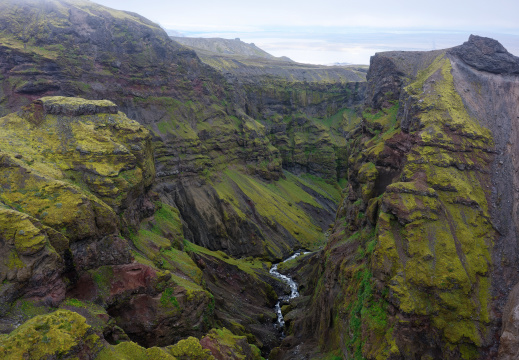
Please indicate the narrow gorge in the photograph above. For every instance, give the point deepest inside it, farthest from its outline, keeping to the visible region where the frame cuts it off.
(161, 201)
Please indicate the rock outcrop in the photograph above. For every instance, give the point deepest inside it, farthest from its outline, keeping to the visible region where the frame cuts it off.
(78, 222)
(199, 128)
(416, 265)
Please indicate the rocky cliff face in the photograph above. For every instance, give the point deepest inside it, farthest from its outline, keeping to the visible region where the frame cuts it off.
(145, 224)
(142, 213)
(416, 264)
(82, 49)
(82, 230)
(307, 110)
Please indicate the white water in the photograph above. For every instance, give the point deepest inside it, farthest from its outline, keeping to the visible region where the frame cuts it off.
(285, 298)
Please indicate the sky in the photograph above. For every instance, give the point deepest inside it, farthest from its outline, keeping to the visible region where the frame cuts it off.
(335, 31)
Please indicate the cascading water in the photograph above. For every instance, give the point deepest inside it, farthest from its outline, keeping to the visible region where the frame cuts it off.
(293, 290)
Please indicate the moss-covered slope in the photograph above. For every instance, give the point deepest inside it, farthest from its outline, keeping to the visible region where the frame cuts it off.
(409, 271)
(201, 123)
(65, 334)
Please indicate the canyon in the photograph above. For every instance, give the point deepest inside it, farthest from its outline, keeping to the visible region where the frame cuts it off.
(150, 191)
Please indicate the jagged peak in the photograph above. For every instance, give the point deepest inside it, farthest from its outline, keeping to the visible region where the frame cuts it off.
(486, 54)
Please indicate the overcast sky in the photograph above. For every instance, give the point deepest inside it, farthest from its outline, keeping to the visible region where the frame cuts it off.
(324, 31)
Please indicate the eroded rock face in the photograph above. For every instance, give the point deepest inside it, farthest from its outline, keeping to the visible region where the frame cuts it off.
(80, 172)
(427, 235)
(485, 54)
(201, 122)
(69, 167)
(489, 89)
(149, 308)
(243, 298)
(31, 260)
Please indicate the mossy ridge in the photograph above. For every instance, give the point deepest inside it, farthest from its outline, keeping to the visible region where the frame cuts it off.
(105, 154)
(448, 251)
(248, 265)
(433, 234)
(129, 350)
(66, 334)
(328, 189)
(223, 341)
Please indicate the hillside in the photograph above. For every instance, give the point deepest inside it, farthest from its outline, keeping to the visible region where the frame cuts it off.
(236, 59)
(135, 221)
(146, 191)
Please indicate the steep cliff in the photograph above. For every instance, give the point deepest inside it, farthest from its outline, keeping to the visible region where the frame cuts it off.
(151, 234)
(306, 109)
(82, 230)
(419, 262)
(143, 212)
(78, 48)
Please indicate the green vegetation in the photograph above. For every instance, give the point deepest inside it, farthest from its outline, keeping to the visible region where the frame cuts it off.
(58, 334)
(191, 349)
(167, 298)
(129, 350)
(273, 202)
(249, 265)
(431, 244)
(226, 342)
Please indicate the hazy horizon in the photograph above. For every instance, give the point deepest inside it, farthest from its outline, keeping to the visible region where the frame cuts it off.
(335, 31)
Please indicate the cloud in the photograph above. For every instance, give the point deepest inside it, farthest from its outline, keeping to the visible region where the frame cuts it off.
(237, 14)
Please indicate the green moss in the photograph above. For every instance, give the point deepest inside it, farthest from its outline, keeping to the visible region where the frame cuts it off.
(431, 247)
(72, 168)
(270, 204)
(28, 238)
(54, 335)
(129, 350)
(191, 349)
(167, 298)
(225, 342)
(249, 265)
(446, 236)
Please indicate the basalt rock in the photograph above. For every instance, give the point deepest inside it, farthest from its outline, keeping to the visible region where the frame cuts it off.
(423, 273)
(71, 169)
(485, 54)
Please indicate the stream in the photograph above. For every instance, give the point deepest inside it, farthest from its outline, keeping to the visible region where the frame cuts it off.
(285, 298)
